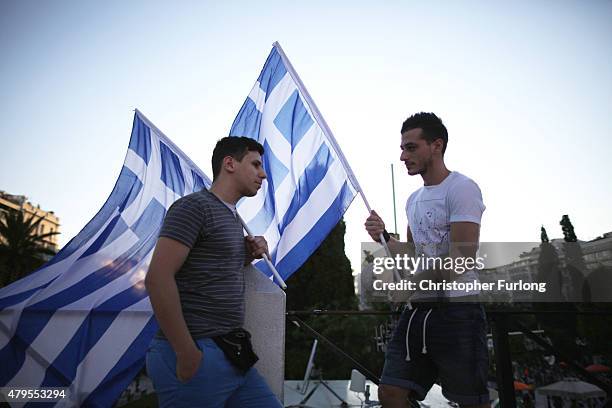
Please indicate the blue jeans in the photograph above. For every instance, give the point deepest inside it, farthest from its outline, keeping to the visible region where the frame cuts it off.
(454, 351)
(217, 383)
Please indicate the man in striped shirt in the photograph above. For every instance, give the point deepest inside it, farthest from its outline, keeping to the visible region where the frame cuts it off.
(196, 286)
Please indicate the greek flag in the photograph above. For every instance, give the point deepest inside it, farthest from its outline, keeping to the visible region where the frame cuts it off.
(84, 320)
(309, 184)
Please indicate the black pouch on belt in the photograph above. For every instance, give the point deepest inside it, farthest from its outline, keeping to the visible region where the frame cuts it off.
(236, 346)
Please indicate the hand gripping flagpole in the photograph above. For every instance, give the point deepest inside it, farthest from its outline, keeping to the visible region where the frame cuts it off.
(332, 140)
(279, 279)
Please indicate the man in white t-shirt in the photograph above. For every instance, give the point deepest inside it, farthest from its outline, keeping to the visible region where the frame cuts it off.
(441, 334)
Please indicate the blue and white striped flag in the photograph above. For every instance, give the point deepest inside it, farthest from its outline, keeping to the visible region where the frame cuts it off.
(84, 320)
(309, 184)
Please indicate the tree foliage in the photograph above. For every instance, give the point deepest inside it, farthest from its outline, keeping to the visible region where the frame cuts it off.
(325, 282)
(22, 249)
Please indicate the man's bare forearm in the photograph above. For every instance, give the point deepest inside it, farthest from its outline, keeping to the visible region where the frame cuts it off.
(165, 300)
(398, 247)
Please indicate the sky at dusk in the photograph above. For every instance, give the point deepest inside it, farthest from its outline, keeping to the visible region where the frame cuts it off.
(524, 88)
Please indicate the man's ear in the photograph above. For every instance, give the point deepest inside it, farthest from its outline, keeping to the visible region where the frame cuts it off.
(229, 164)
(438, 145)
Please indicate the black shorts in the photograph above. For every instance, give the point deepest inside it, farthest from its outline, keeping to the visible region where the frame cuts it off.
(455, 351)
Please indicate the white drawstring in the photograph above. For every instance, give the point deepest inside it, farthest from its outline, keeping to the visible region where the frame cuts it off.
(424, 350)
(408, 334)
(425, 328)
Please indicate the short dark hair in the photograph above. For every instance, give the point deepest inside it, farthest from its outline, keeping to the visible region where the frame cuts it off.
(432, 126)
(237, 147)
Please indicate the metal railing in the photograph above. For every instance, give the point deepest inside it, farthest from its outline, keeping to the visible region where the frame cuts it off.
(502, 322)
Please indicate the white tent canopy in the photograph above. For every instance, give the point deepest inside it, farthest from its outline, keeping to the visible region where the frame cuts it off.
(570, 393)
(572, 389)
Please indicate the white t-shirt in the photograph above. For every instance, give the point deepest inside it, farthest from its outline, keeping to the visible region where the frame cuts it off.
(431, 210)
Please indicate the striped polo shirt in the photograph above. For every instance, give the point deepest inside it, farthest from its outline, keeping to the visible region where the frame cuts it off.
(211, 281)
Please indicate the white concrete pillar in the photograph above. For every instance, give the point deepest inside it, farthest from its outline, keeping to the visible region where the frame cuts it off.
(265, 320)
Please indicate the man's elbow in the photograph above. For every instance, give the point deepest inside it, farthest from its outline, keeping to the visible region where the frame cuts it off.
(150, 281)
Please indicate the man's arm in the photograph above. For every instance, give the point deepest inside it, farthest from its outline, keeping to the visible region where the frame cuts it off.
(375, 226)
(255, 248)
(464, 238)
(168, 257)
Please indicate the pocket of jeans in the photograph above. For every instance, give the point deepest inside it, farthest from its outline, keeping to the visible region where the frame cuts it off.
(198, 373)
(153, 346)
(202, 348)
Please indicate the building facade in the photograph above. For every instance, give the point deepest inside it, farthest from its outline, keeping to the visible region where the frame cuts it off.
(596, 254)
(50, 222)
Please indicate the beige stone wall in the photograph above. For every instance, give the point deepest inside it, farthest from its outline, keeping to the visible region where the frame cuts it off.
(50, 222)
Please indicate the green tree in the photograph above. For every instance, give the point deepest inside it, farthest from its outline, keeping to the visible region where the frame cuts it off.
(325, 282)
(575, 286)
(568, 229)
(549, 270)
(543, 235)
(597, 329)
(22, 249)
(564, 286)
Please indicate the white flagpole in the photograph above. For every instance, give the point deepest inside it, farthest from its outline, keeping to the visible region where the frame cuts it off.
(279, 279)
(332, 140)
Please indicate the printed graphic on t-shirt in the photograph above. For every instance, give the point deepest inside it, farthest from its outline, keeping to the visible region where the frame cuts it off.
(432, 229)
(430, 210)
